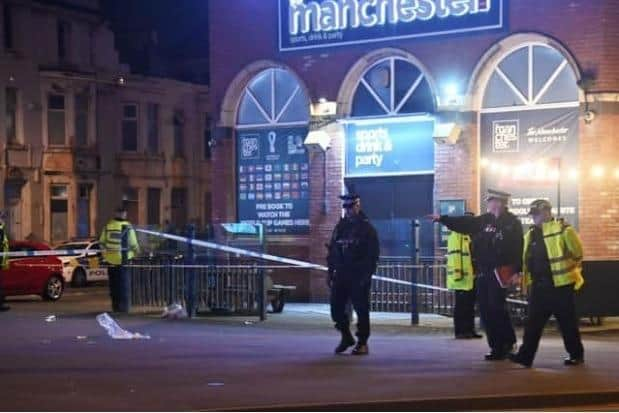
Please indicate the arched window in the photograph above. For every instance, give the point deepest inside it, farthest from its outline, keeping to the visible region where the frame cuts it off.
(272, 164)
(532, 76)
(273, 97)
(529, 130)
(391, 87)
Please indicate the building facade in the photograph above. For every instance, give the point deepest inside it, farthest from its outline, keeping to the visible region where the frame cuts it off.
(80, 134)
(434, 102)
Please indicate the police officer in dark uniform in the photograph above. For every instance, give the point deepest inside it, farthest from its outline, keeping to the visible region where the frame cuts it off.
(497, 242)
(552, 262)
(353, 256)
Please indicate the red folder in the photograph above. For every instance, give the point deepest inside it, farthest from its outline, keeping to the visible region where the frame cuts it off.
(505, 274)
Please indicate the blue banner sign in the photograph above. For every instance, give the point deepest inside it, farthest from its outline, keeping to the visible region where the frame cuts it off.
(389, 147)
(273, 179)
(306, 24)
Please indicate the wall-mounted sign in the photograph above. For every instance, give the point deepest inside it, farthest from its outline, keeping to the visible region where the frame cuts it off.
(532, 154)
(451, 207)
(273, 179)
(389, 147)
(305, 24)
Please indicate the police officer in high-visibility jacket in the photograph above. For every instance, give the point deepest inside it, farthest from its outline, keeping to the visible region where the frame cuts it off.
(461, 280)
(110, 240)
(4, 263)
(552, 262)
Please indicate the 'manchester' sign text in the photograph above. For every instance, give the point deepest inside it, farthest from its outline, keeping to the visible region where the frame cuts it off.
(305, 24)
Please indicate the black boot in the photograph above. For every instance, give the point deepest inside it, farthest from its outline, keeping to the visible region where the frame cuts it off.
(360, 349)
(346, 342)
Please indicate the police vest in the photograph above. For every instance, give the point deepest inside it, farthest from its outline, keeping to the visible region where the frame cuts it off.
(564, 253)
(459, 262)
(4, 246)
(111, 239)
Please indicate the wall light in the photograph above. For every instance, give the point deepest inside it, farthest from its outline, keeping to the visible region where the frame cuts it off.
(598, 171)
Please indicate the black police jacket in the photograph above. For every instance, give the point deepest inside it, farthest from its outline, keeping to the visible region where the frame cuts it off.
(496, 241)
(354, 248)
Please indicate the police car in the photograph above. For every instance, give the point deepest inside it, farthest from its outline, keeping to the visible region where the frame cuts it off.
(85, 267)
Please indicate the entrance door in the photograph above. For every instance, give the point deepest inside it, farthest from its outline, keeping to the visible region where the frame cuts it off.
(83, 211)
(391, 204)
(12, 196)
(59, 212)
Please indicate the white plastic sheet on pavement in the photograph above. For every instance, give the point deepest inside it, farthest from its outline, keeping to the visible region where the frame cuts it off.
(174, 312)
(115, 331)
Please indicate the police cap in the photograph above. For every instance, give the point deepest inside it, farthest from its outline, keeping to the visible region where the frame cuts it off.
(538, 206)
(350, 200)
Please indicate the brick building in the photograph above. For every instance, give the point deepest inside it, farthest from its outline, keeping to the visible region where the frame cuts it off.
(79, 133)
(435, 101)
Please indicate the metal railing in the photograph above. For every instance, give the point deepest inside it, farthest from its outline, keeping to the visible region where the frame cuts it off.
(230, 289)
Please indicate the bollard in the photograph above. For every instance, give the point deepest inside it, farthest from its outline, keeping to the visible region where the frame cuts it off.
(124, 284)
(191, 293)
(415, 260)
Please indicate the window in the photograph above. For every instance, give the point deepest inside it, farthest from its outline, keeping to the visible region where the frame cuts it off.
(154, 206)
(82, 107)
(208, 137)
(179, 207)
(130, 127)
(64, 33)
(179, 134)
(273, 97)
(152, 115)
(56, 119)
(7, 18)
(83, 210)
(392, 87)
(11, 114)
(132, 203)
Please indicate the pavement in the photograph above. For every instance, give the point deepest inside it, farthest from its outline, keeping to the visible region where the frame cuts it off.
(284, 363)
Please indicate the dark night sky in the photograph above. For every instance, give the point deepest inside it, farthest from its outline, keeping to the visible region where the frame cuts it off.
(181, 26)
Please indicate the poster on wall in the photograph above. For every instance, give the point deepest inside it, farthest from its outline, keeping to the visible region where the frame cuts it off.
(307, 24)
(273, 179)
(384, 148)
(532, 154)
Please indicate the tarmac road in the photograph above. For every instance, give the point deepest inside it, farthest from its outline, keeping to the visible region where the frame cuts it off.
(286, 362)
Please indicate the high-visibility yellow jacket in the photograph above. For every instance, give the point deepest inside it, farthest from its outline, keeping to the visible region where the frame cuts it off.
(460, 274)
(4, 246)
(110, 241)
(564, 253)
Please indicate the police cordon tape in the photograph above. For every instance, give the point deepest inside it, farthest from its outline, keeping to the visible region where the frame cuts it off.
(295, 263)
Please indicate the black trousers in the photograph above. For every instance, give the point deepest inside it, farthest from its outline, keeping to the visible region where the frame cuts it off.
(544, 301)
(494, 315)
(464, 312)
(115, 285)
(354, 290)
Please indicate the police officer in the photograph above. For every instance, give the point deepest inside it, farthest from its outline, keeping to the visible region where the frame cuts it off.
(4, 263)
(352, 259)
(461, 280)
(110, 240)
(552, 263)
(497, 242)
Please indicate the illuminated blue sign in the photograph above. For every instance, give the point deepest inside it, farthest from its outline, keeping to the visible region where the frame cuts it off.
(390, 147)
(306, 24)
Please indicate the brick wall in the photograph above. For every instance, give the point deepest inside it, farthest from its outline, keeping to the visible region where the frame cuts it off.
(243, 33)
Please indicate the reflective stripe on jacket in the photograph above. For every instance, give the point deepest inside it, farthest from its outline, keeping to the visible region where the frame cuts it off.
(111, 238)
(564, 253)
(459, 262)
